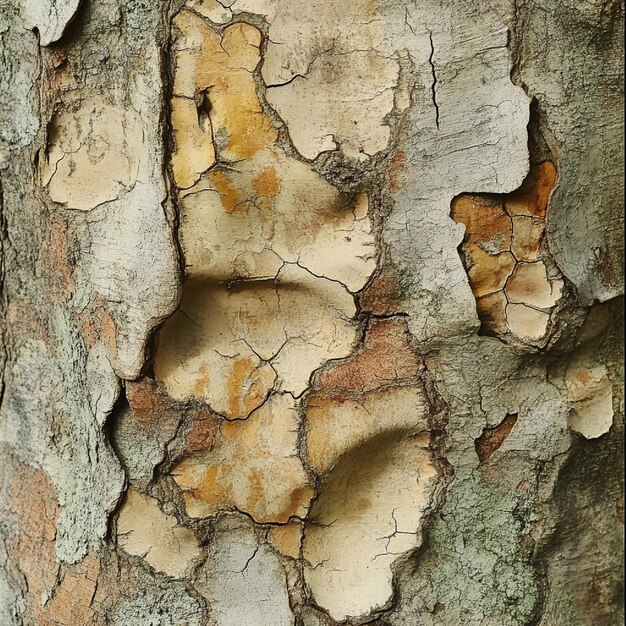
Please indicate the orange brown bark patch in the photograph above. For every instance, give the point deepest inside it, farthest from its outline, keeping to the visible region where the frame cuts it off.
(151, 410)
(247, 386)
(493, 437)
(221, 66)
(35, 507)
(287, 539)
(266, 183)
(488, 226)
(492, 313)
(488, 273)
(57, 260)
(397, 165)
(55, 594)
(386, 358)
(146, 400)
(231, 200)
(96, 323)
(382, 296)
(73, 601)
(505, 258)
(202, 432)
(532, 197)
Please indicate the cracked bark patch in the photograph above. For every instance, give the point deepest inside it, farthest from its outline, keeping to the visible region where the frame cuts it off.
(323, 373)
(143, 529)
(253, 467)
(92, 155)
(368, 514)
(507, 261)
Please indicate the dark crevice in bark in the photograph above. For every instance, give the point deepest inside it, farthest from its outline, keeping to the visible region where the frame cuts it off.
(433, 85)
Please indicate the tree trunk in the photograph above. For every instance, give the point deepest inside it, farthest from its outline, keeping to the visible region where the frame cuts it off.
(311, 312)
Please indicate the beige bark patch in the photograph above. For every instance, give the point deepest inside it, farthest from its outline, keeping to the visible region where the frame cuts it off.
(193, 139)
(220, 68)
(368, 513)
(253, 467)
(529, 284)
(338, 425)
(331, 72)
(526, 322)
(346, 100)
(590, 393)
(287, 539)
(378, 477)
(527, 238)
(231, 347)
(93, 154)
(245, 221)
(260, 237)
(144, 530)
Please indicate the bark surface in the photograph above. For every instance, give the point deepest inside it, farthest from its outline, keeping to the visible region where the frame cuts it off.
(311, 313)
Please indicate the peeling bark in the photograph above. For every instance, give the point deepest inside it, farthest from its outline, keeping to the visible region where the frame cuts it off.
(312, 313)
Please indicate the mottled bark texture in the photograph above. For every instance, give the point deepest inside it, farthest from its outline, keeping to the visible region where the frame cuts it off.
(311, 312)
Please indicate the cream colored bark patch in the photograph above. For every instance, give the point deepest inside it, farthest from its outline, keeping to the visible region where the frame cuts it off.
(590, 393)
(144, 530)
(261, 233)
(378, 479)
(331, 72)
(242, 221)
(529, 284)
(526, 322)
(253, 467)
(92, 154)
(232, 346)
(245, 221)
(369, 512)
(347, 99)
(337, 425)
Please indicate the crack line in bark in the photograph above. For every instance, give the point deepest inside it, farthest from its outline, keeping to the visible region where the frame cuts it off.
(433, 86)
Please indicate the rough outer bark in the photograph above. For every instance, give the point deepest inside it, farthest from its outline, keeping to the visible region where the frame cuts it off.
(312, 312)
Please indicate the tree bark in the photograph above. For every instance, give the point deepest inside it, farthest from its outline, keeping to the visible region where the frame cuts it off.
(312, 313)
